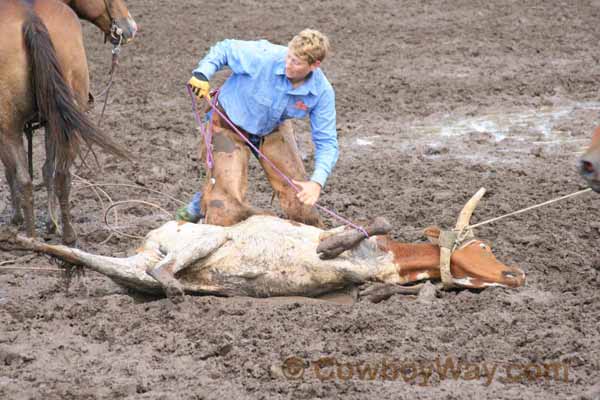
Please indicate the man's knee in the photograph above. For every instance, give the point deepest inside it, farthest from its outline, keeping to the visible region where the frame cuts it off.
(312, 219)
(304, 214)
(226, 212)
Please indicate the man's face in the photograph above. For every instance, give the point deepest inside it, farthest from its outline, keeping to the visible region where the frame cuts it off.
(297, 68)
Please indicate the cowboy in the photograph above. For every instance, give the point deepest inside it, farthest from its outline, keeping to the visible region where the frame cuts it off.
(270, 84)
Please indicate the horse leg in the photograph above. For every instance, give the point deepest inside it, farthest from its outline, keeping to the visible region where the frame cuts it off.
(280, 147)
(10, 171)
(62, 183)
(58, 185)
(48, 173)
(14, 159)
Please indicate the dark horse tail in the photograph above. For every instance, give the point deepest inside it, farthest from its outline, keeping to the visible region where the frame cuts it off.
(66, 125)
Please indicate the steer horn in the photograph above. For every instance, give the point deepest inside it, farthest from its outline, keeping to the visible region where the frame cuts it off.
(448, 240)
(465, 215)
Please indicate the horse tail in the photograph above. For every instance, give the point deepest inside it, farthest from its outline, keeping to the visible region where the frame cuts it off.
(66, 124)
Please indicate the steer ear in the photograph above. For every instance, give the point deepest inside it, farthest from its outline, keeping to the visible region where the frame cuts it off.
(432, 233)
(465, 215)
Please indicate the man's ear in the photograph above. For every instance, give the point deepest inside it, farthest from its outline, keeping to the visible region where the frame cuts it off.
(316, 65)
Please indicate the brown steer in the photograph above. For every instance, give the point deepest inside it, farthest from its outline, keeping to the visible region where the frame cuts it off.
(267, 256)
(44, 79)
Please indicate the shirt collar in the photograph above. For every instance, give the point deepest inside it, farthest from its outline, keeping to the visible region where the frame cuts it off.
(311, 83)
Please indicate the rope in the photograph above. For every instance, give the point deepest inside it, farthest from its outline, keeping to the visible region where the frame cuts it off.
(206, 134)
(96, 187)
(261, 155)
(118, 203)
(489, 221)
(105, 92)
(133, 187)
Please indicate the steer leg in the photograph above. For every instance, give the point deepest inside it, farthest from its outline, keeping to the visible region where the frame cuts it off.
(378, 292)
(335, 244)
(164, 273)
(191, 250)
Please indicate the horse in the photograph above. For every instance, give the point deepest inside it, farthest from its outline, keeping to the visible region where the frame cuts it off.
(265, 256)
(44, 77)
(589, 162)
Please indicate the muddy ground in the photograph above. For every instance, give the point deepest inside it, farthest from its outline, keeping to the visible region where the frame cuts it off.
(435, 99)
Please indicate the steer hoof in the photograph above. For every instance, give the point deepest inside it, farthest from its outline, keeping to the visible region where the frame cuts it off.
(169, 283)
(175, 293)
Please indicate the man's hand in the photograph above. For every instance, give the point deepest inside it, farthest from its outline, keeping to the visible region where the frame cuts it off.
(201, 88)
(309, 192)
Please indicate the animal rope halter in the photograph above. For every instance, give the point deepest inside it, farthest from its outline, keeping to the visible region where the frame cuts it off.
(115, 33)
(452, 240)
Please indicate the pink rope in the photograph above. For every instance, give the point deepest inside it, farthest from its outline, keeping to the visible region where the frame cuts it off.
(206, 134)
(207, 137)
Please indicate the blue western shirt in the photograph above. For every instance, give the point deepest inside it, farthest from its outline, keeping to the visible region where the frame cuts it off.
(258, 96)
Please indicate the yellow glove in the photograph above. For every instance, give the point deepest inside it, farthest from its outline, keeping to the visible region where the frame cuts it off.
(199, 87)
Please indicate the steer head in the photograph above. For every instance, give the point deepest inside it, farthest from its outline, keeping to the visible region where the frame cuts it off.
(473, 265)
(468, 262)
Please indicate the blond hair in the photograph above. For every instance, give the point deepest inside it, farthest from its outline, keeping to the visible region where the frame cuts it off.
(310, 45)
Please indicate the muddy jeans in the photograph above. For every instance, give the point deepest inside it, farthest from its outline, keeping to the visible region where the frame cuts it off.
(225, 187)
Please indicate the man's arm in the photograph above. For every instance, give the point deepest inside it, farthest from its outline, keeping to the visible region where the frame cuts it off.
(239, 55)
(324, 136)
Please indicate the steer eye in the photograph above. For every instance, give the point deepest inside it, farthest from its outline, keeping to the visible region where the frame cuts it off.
(482, 245)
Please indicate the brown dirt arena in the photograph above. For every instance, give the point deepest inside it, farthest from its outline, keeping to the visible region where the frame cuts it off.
(435, 99)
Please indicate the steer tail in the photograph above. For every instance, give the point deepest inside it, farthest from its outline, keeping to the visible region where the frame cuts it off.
(66, 124)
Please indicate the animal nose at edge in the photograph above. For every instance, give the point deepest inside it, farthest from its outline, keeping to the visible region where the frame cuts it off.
(129, 28)
(513, 278)
(133, 27)
(586, 167)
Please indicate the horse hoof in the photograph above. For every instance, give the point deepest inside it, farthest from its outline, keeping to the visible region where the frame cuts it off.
(17, 220)
(175, 293)
(69, 238)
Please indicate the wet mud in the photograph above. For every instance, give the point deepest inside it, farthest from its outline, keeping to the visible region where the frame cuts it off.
(434, 100)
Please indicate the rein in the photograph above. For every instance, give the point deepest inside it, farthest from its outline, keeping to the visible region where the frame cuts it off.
(116, 35)
(116, 50)
(209, 160)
